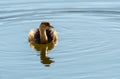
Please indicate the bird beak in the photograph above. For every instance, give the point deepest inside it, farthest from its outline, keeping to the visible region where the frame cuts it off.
(51, 26)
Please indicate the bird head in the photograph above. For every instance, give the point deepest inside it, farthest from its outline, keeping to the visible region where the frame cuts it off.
(45, 25)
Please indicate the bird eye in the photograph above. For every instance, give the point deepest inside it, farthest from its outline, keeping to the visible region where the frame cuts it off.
(47, 24)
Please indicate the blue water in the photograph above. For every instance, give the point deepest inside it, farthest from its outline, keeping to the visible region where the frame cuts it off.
(88, 45)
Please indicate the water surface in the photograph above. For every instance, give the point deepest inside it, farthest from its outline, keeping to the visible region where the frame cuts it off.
(88, 45)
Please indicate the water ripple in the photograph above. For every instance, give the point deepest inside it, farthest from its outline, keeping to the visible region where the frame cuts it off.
(53, 11)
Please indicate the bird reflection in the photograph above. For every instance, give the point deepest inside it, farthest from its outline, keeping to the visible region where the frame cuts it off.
(43, 49)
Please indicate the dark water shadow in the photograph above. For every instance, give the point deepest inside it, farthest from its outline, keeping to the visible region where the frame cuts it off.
(43, 49)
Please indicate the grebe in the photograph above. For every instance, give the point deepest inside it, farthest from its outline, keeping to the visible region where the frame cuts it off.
(43, 34)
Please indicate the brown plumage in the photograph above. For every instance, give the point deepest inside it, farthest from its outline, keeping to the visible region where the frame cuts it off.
(43, 35)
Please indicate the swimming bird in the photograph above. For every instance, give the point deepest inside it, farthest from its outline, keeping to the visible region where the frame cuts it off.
(43, 34)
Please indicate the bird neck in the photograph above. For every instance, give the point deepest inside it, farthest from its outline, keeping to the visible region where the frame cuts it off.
(43, 36)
